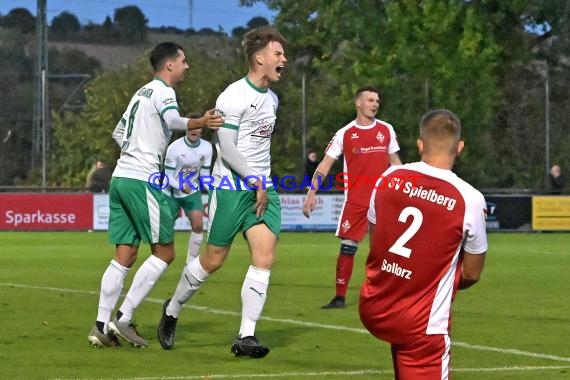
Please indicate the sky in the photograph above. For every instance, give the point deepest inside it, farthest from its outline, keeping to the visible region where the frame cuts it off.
(213, 14)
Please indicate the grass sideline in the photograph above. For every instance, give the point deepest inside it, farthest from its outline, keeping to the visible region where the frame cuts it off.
(514, 324)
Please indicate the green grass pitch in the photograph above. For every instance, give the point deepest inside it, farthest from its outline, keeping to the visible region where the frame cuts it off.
(514, 324)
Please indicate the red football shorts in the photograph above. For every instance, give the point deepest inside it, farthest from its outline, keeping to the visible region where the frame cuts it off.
(426, 358)
(353, 222)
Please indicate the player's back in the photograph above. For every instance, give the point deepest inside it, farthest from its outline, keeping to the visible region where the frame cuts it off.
(146, 134)
(422, 214)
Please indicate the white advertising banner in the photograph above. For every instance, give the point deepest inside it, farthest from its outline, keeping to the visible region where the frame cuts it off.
(100, 212)
(324, 217)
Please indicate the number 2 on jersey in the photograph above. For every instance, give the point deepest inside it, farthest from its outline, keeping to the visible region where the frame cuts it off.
(398, 247)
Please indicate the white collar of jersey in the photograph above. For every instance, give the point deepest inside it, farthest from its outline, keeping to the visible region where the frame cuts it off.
(365, 126)
(263, 90)
(160, 80)
(190, 143)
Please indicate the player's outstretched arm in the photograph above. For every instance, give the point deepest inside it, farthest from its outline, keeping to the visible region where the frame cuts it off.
(210, 119)
(320, 174)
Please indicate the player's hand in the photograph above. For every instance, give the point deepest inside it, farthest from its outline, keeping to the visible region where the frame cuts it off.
(309, 204)
(213, 120)
(186, 188)
(260, 198)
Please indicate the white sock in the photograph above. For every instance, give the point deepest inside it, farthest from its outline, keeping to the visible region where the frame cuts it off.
(143, 282)
(194, 243)
(253, 295)
(111, 286)
(193, 275)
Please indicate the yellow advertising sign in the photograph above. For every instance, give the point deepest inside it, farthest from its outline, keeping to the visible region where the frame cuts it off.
(551, 212)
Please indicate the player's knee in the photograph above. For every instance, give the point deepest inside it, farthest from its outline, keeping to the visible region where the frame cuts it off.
(348, 247)
(213, 258)
(126, 255)
(263, 260)
(165, 252)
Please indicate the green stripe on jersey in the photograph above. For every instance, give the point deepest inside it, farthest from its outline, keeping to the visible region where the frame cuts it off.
(230, 126)
(168, 108)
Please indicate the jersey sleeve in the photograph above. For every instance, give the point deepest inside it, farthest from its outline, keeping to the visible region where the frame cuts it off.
(171, 166)
(335, 147)
(372, 208)
(165, 100)
(393, 147)
(119, 132)
(229, 106)
(167, 107)
(208, 158)
(206, 167)
(475, 225)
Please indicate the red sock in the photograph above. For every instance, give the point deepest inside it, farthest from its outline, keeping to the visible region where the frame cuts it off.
(344, 264)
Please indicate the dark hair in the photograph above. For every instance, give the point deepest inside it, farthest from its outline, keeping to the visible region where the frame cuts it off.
(366, 88)
(257, 39)
(163, 51)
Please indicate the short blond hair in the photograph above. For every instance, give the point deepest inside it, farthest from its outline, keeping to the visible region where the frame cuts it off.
(440, 130)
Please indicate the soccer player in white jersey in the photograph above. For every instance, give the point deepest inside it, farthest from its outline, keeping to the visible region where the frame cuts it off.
(139, 210)
(188, 159)
(251, 206)
(427, 240)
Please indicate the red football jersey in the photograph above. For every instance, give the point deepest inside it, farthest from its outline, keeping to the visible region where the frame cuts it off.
(366, 152)
(423, 218)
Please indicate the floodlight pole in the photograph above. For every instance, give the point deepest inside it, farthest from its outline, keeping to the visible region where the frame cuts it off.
(547, 120)
(190, 14)
(39, 127)
(303, 118)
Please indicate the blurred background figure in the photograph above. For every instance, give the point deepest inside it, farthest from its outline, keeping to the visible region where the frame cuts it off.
(99, 177)
(310, 166)
(556, 180)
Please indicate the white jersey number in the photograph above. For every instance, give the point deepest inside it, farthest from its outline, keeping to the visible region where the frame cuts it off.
(398, 248)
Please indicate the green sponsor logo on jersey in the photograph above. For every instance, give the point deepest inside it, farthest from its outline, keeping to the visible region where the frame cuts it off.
(146, 92)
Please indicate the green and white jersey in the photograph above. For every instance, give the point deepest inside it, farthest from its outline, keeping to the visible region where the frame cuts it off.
(185, 160)
(251, 111)
(145, 134)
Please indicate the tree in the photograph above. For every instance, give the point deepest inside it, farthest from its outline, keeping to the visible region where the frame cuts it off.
(475, 57)
(131, 24)
(16, 97)
(65, 25)
(257, 22)
(421, 54)
(82, 137)
(108, 23)
(20, 18)
(63, 87)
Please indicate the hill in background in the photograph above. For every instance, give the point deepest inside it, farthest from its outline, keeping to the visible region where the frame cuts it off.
(114, 56)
